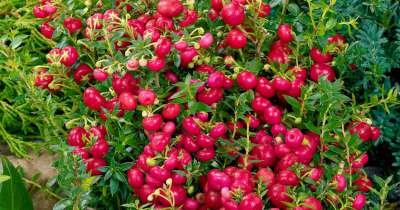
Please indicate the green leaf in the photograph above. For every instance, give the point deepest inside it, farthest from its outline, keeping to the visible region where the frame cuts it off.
(4, 178)
(294, 103)
(13, 193)
(254, 65)
(293, 9)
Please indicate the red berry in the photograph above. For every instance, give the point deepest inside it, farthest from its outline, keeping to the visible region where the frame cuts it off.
(43, 79)
(322, 70)
(69, 55)
(217, 5)
(340, 182)
(82, 72)
(191, 204)
(100, 74)
(95, 21)
(163, 47)
(146, 97)
(266, 175)
(217, 179)
(205, 141)
(233, 14)
(171, 111)
(156, 64)
(39, 12)
(260, 104)
(316, 173)
(170, 8)
(278, 196)
(312, 203)
(158, 141)
(287, 177)
(236, 39)
(281, 84)
(82, 152)
(126, 83)
(77, 137)
(93, 99)
(294, 138)
(277, 129)
(152, 123)
(72, 24)
(218, 130)
(135, 178)
(127, 101)
(93, 166)
(273, 115)
(99, 149)
(205, 154)
(285, 33)
(264, 10)
(189, 18)
(363, 184)
(375, 133)
(264, 154)
(206, 40)
(251, 201)
(264, 88)
(187, 56)
(190, 126)
(359, 202)
(47, 30)
(363, 130)
(216, 80)
(246, 80)
(169, 128)
(319, 57)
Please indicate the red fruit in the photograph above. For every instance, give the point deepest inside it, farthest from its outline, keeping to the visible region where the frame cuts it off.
(287, 177)
(213, 14)
(127, 101)
(295, 88)
(47, 30)
(287, 161)
(94, 21)
(278, 196)
(294, 138)
(39, 12)
(264, 10)
(100, 74)
(212, 200)
(202, 116)
(360, 162)
(264, 88)
(187, 56)
(363, 130)
(190, 126)
(178, 194)
(217, 179)
(205, 154)
(311, 203)
(158, 141)
(93, 99)
(132, 64)
(322, 70)
(169, 8)
(205, 141)
(169, 128)
(49, 9)
(316, 173)
(216, 80)
(278, 56)
(299, 73)
(43, 79)
(93, 166)
(163, 47)
(375, 133)
(251, 201)
(254, 122)
(278, 129)
(171, 111)
(319, 57)
(189, 18)
(340, 182)
(69, 55)
(363, 184)
(146, 97)
(160, 173)
(152, 123)
(178, 179)
(189, 144)
(285, 33)
(111, 15)
(273, 115)
(246, 80)
(127, 83)
(337, 39)
(72, 24)
(82, 152)
(260, 104)
(261, 137)
(217, 5)
(135, 178)
(181, 45)
(218, 130)
(99, 131)
(191, 204)
(144, 193)
(99, 149)
(281, 150)
(210, 96)
(151, 33)
(82, 72)
(156, 64)
(266, 175)
(171, 76)
(264, 154)
(236, 39)
(281, 84)
(206, 40)
(359, 202)
(232, 14)
(228, 83)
